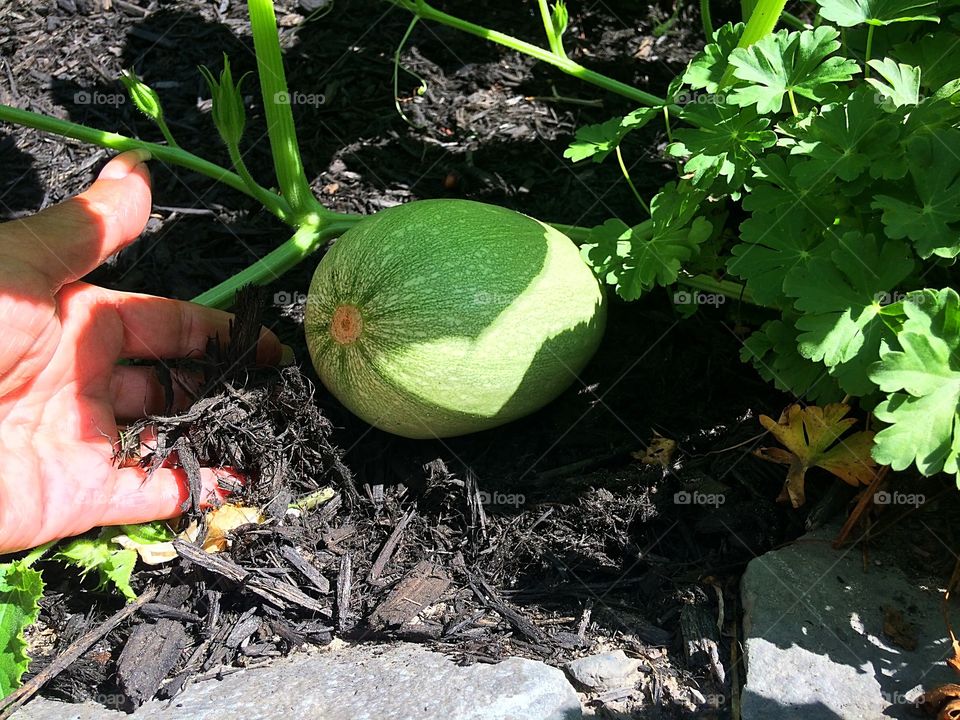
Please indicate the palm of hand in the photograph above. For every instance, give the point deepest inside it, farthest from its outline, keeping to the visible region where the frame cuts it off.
(61, 390)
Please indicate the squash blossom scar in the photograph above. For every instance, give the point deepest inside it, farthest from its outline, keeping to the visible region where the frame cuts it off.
(346, 325)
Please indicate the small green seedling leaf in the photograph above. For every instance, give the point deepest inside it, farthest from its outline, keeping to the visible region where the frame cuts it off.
(931, 219)
(903, 82)
(114, 565)
(21, 588)
(785, 63)
(921, 371)
(848, 13)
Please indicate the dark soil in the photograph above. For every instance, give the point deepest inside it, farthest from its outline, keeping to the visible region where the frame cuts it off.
(580, 544)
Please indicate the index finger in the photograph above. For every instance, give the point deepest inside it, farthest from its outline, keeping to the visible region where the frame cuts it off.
(67, 241)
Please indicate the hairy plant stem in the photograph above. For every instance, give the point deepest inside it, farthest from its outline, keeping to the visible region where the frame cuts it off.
(548, 28)
(309, 237)
(707, 19)
(277, 107)
(171, 155)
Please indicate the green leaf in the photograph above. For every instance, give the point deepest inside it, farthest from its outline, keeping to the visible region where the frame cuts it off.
(723, 148)
(930, 215)
(923, 379)
(639, 258)
(838, 291)
(772, 350)
(847, 13)
(113, 564)
(706, 70)
(936, 53)
(598, 141)
(846, 139)
(594, 141)
(903, 82)
(783, 63)
(20, 590)
(786, 223)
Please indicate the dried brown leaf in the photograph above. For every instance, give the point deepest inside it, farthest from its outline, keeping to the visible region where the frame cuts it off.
(812, 436)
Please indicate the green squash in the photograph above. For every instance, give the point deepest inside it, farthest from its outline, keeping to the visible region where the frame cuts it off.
(445, 317)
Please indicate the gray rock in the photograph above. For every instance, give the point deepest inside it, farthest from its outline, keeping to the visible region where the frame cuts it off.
(400, 682)
(606, 671)
(815, 647)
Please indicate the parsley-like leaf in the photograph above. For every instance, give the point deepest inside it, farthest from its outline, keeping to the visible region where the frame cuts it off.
(598, 141)
(903, 82)
(847, 13)
(932, 218)
(706, 70)
(639, 258)
(594, 141)
(784, 62)
(923, 377)
(838, 291)
(773, 352)
(725, 147)
(786, 224)
(846, 139)
(936, 54)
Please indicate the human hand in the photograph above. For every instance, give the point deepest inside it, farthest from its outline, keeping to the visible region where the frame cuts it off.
(61, 389)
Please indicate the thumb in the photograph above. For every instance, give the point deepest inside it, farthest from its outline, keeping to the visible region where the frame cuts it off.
(67, 241)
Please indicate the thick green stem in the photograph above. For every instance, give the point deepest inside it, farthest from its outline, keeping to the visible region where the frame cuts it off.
(548, 27)
(707, 19)
(763, 19)
(868, 51)
(277, 107)
(308, 238)
(257, 190)
(170, 155)
(710, 284)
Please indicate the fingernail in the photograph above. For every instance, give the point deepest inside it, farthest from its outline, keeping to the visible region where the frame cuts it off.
(124, 163)
(286, 356)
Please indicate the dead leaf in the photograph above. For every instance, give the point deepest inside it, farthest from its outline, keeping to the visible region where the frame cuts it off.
(898, 630)
(942, 702)
(223, 520)
(812, 438)
(220, 522)
(659, 451)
